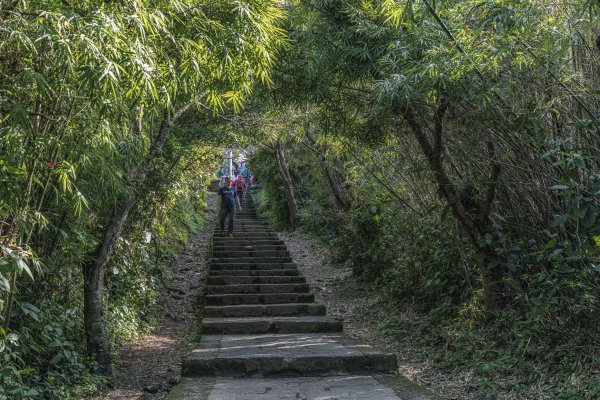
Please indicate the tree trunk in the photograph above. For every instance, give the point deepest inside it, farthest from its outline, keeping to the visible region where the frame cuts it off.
(97, 342)
(334, 188)
(287, 184)
(98, 347)
(491, 280)
(473, 220)
(330, 180)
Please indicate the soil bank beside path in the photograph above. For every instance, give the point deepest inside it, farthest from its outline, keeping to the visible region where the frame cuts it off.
(354, 303)
(148, 368)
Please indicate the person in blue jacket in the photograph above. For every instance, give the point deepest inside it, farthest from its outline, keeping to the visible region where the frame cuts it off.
(229, 200)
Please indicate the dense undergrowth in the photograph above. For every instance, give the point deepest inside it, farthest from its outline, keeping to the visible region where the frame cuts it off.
(43, 356)
(542, 344)
(448, 151)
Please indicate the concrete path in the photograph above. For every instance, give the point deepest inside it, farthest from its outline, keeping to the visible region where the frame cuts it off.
(265, 338)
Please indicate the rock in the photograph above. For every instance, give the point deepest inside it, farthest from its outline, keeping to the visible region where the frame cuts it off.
(152, 389)
(169, 315)
(175, 289)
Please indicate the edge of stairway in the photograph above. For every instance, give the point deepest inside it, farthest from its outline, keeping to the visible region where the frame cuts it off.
(371, 381)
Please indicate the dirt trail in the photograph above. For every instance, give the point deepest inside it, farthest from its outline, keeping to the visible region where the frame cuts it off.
(148, 368)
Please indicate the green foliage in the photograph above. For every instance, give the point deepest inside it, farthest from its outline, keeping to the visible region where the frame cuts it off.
(271, 200)
(86, 91)
(44, 358)
(421, 263)
(517, 77)
(430, 266)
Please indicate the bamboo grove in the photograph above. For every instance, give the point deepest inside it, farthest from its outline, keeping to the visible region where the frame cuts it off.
(96, 146)
(447, 150)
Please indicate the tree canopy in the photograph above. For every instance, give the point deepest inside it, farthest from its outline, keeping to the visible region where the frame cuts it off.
(448, 150)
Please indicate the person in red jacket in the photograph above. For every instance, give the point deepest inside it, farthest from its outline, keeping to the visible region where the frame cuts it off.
(240, 185)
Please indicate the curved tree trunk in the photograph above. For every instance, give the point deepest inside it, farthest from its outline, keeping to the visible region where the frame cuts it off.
(473, 220)
(98, 346)
(334, 188)
(287, 184)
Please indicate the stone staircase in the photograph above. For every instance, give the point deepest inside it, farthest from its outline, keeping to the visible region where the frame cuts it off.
(261, 321)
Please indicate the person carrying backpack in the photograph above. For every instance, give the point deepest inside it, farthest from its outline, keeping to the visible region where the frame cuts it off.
(240, 185)
(229, 200)
(246, 176)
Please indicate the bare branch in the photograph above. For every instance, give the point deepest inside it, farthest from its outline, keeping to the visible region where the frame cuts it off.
(493, 183)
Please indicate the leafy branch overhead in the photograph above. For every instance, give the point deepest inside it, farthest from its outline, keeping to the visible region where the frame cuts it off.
(94, 99)
(447, 150)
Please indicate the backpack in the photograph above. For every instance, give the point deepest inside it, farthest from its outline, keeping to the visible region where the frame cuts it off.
(239, 185)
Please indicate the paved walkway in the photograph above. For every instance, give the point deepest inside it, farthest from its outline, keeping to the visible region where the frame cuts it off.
(265, 338)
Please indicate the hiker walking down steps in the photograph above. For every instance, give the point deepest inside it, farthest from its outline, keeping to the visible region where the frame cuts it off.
(229, 200)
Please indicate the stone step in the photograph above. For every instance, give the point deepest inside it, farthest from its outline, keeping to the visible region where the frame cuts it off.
(235, 240)
(334, 387)
(247, 235)
(283, 355)
(240, 231)
(250, 253)
(252, 260)
(258, 288)
(259, 247)
(263, 310)
(251, 266)
(247, 280)
(251, 224)
(305, 324)
(248, 211)
(252, 219)
(248, 224)
(269, 298)
(247, 242)
(247, 218)
(248, 227)
(257, 272)
(258, 325)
